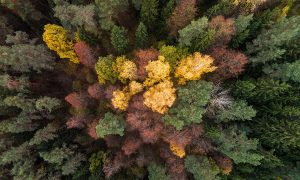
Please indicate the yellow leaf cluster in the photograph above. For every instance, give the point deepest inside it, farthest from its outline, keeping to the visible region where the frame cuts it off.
(56, 38)
(193, 67)
(160, 97)
(158, 70)
(135, 87)
(178, 151)
(121, 99)
(125, 68)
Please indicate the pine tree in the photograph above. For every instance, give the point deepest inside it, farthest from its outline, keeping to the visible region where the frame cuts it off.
(190, 104)
(265, 48)
(201, 167)
(141, 36)
(149, 12)
(119, 39)
(157, 172)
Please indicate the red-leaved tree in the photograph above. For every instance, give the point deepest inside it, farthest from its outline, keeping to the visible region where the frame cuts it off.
(182, 15)
(85, 54)
(230, 63)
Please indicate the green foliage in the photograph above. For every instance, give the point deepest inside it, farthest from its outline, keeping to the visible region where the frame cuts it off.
(190, 105)
(149, 12)
(238, 111)
(203, 42)
(270, 44)
(242, 32)
(15, 154)
(237, 146)
(280, 133)
(96, 161)
(110, 124)
(57, 155)
(26, 57)
(157, 172)
(119, 39)
(48, 104)
(105, 71)
(285, 71)
(173, 54)
(73, 16)
(107, 10)
(72, 164)
(141, 36)
(201, 167)
(20, 101)
(192, 31)
(45, 134)
(223, 7)
(168, 9)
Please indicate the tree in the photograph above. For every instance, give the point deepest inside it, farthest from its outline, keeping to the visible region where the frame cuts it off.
(182, 15)
(193, 67)
(26, 57)
(119, 39)
(126, 69)
(192, 31)
(224, 30)
(56, 38)
(45, 134)
(190, 105)
(105, 71)
(149, 12)
(173, 55)
(141, 36)
(75, 16)
(238, 111)
(85, 54)
(160, 97)
(110, 124)
(230, 63)
(157, 172)
(201, 167)
(284, 71)
(241, 25)
(235, 144)
(158, 71)
(47, 104)
(265, 48)
(279, 133)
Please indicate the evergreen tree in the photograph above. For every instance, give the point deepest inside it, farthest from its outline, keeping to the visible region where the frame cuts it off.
(110, 124)
(141, 36)
(149, 12)
(119, 39)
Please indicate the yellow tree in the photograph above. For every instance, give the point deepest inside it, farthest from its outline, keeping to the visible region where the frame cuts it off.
(159, 98)
(125, 68)
(193, 67)
(158, 71)
(56, 38)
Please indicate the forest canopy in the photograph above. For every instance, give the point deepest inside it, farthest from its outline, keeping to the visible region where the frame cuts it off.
(150, 89)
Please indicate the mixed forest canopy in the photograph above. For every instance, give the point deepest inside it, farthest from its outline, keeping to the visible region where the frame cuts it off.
(150, 89)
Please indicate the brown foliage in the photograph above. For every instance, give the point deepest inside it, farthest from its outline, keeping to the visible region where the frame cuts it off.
(76, 122)
(202, 146)
(131, 144)
(96, 91)
(79, 101)
(113, 165)
(224, 29)
(174, 164)
(85, 54)
(92, 129)
(142, 57)
(223, 162)
(230, 63)
(184, 137)
(140, 118)
(182, 15)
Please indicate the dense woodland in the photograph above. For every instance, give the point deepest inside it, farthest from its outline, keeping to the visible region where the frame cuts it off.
(150, 89)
